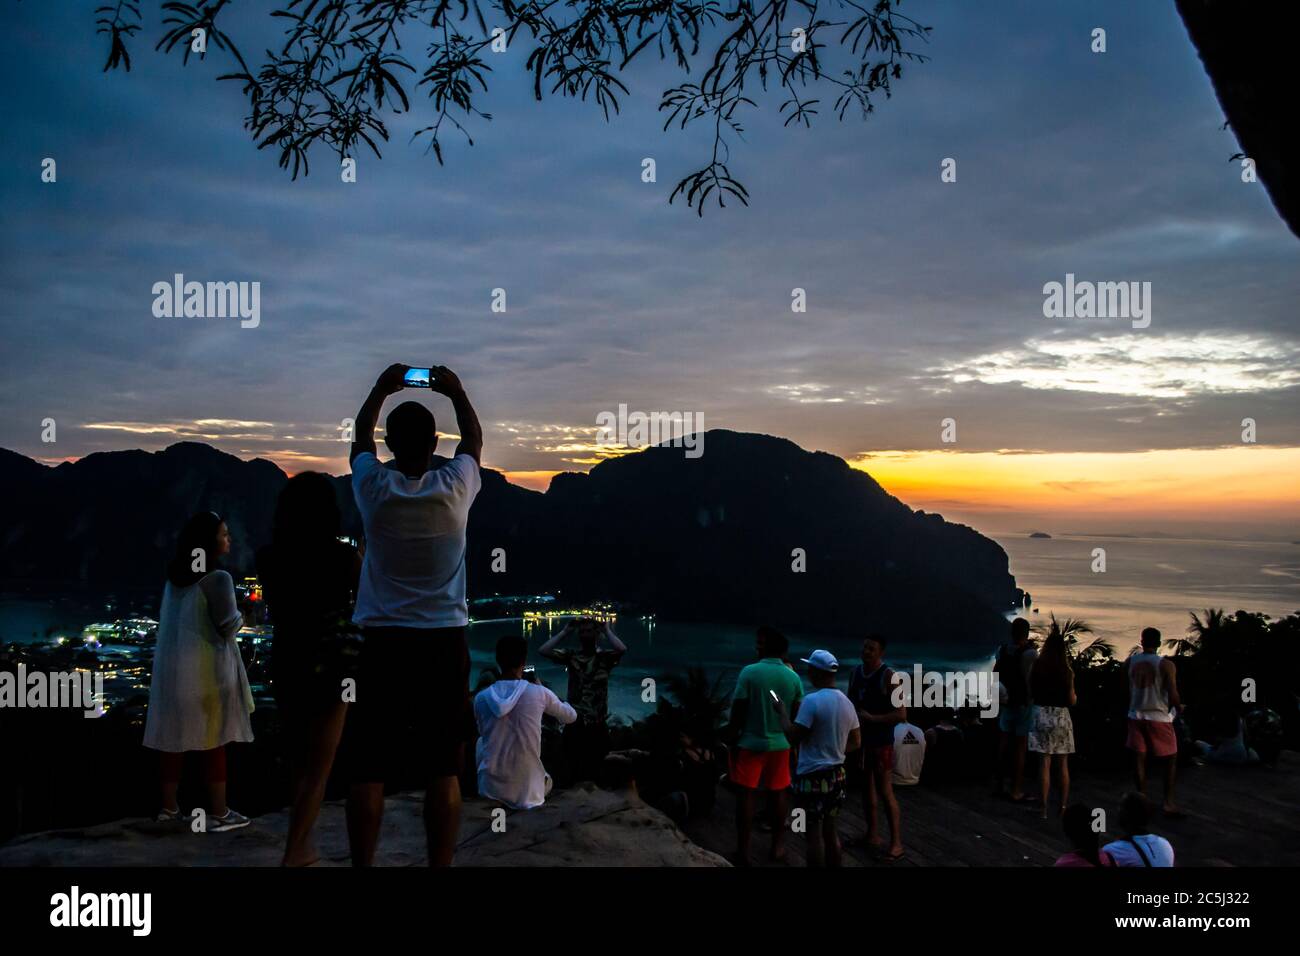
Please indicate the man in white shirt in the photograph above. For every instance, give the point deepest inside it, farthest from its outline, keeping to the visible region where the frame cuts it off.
(909, 754)
(412, 691)
(825, 729)
(509, 715)
(1153, 702)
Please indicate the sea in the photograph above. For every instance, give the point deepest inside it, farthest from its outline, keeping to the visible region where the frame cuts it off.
(1154, 582)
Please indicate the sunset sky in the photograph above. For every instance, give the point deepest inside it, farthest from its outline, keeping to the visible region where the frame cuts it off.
(925, 299)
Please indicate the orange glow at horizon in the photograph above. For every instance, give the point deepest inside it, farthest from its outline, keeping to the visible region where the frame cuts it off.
(536, 480)
(1245, 481)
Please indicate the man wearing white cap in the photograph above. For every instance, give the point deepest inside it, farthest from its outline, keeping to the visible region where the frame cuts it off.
(825, 729)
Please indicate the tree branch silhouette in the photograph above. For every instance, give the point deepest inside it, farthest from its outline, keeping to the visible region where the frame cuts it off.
(341, 65)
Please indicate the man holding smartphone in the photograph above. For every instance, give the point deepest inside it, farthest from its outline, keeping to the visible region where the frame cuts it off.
(412, 692)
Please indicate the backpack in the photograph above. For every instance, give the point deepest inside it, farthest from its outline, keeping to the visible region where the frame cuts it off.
(1011, 674)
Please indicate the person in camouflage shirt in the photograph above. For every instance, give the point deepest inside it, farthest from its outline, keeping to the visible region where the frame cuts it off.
(586, 741)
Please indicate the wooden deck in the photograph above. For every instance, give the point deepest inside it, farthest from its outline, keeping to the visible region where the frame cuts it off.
(1248, 816)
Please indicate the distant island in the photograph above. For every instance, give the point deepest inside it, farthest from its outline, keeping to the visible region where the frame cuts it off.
(757, 530)
(1039, 534)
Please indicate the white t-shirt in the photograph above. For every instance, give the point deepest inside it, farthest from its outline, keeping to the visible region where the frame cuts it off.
(909, 753)
(509, 750)
(1158, 850)
(413, 574)
(829, 716)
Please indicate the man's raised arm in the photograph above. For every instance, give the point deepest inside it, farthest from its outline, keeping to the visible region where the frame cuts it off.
(444, 380)
(363, 430)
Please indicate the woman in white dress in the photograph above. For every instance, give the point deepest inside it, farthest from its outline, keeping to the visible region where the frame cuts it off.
(199, 699)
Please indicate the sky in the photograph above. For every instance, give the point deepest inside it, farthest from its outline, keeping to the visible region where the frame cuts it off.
(925, 298)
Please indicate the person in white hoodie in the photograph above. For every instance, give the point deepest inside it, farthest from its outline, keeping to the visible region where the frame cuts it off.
(509, 717)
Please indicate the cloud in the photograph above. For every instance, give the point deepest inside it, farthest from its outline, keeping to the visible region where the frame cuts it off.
(1142, 366)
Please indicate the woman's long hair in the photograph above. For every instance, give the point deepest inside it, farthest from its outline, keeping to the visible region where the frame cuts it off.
(198, 534)
(306, 514)
(1052, 669)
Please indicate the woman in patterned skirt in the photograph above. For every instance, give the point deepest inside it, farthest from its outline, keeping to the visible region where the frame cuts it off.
(1051, 732)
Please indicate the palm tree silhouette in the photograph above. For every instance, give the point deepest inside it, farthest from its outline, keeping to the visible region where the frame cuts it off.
(1070, 628)
(1204, 633)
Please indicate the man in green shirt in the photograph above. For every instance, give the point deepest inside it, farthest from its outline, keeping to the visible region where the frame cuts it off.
(760, 753)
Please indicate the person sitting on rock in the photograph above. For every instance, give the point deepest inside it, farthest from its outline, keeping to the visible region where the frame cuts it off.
(509, 716)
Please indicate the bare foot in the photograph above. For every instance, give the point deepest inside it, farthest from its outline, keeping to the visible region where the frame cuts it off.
(307, 857)
(867, 842)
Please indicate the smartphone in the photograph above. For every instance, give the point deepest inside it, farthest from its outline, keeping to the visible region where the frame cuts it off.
(418, 378)
(529, 669)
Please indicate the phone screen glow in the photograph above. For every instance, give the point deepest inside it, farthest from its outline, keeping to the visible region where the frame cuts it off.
(416, 378)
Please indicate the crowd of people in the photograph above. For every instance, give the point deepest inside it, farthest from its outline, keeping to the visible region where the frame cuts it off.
(370, 658)
(865, 734)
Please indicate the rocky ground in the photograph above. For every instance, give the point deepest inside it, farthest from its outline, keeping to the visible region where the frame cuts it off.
(585, 826)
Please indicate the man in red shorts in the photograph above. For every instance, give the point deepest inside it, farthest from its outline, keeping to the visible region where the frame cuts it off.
(1153, 695)
(760, 755)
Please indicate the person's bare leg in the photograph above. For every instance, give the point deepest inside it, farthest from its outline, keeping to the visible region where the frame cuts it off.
(816, 849)
(869, 804)
(313, 760)
(892, 812)
(1018, 771)
(779, 801)
(1045, 779)
(831, 839)
(442, 819)
(365, 814)
(744, 823)
(1140, 770)
(1000, 767)
(1171, 773)
(1065, 780)
(170, 792)
(217, 799)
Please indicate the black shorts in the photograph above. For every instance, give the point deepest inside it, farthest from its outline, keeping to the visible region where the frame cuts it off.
(412, 710)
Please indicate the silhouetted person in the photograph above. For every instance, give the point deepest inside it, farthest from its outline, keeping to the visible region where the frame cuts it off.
(309, 578)
(1137, 845)
(760, 751)
(1153, 696)
(586, 740)
(413, 684)
(1085, 845)
(509, 714)
(1051, 731)
(871, 689)
(945, 749)
(1014, 663)
(199, 698)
